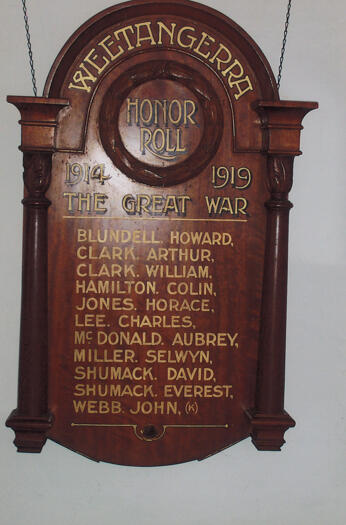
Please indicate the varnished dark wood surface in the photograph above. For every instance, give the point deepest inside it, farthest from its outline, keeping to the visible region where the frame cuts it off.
(32, 418)
(225, 125)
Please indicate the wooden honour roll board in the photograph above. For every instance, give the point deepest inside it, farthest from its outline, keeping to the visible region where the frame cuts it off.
(150, 174)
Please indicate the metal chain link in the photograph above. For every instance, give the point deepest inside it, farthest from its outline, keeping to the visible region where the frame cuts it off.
(31, 60)
(283, 49)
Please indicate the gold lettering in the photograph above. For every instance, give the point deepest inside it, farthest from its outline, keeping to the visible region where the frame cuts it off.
(218, 54)
(170, 32)
(97, 407)
(220, 61)
(155, 204)
(239, 80)
(190, 374)
(238, 83)
(70, 196)
(149, 36)
(91, 57)
(78, 77)
(177, 104)
(155, 407)
(188, 115)
(146, 119)
(204, 41)
(201, 238)
(214, 339)
(105, 43)
(99, 200)
(190, 39)
(203, 391)
(146, 136)
(123, 31)
(131, 104)
(220, 205)
(90, 320)
(159, 145)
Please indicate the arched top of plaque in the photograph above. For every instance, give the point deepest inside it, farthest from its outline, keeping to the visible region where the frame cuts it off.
(159, 79)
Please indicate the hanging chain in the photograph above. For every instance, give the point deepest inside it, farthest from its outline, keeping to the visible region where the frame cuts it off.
(283, 49)
(31, 60)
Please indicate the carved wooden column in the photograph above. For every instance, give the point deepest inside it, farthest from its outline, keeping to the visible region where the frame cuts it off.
(31, 420)
(281, 122)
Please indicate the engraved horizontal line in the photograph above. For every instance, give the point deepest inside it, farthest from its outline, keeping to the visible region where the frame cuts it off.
(152, 218)
(134, 425)
(101, 425)
(196, 426)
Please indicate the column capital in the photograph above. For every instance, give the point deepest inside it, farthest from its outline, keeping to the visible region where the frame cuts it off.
(282, 123)
(39, 119)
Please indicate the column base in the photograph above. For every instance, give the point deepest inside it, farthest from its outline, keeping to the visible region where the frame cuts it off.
(31, 431)
(267, 430)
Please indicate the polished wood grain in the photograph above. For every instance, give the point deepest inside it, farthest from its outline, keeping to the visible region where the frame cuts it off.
(151, 112)
(32, 418)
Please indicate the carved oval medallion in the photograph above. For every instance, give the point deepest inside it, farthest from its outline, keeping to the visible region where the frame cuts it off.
(160, 128)
(161, 123)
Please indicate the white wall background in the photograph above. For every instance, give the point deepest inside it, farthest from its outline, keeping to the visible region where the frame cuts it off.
(305, 483)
